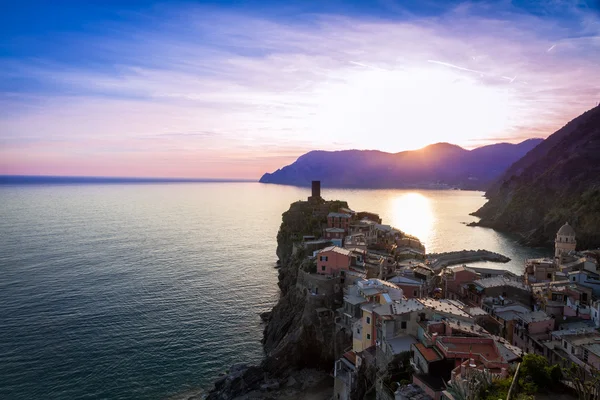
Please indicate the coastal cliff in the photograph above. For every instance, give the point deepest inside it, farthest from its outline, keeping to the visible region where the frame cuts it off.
(558, 181)
(300, 346)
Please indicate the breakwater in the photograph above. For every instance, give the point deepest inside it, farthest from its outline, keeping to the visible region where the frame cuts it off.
(438, 261)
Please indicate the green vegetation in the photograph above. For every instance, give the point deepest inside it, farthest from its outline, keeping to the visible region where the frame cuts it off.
(536, 375)
(586, 384)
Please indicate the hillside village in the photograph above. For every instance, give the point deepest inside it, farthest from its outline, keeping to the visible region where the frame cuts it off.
(417, 328)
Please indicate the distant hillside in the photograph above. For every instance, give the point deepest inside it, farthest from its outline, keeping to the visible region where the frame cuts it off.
(558, 181)
(436, 165)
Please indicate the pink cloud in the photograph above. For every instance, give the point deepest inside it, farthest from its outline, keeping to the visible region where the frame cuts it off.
(260, 92)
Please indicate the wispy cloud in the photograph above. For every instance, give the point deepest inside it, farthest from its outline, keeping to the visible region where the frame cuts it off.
(180, 92)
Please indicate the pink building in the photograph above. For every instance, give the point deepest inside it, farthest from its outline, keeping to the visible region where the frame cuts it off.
(332, 260)
(338, 220)
(530, 329)
(454, 277)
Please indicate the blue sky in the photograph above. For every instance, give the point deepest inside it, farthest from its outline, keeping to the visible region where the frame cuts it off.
(233, 89)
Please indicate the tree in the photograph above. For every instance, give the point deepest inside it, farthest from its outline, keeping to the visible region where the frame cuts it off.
(586, 384)
(535, 374)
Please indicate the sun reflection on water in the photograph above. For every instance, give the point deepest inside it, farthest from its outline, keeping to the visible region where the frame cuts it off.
(413, 214)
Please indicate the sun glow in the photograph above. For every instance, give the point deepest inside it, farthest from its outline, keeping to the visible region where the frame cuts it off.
(414, 215)
(398, 105)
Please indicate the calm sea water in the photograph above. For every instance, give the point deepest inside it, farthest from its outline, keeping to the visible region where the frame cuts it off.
(144, 291)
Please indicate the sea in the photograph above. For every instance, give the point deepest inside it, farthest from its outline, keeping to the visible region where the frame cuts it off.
(151, 290)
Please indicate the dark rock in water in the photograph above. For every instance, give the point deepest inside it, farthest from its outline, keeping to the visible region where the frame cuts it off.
(240, 380)
(265, 316)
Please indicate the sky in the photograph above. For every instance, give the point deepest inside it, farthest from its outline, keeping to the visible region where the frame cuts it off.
(233, 89)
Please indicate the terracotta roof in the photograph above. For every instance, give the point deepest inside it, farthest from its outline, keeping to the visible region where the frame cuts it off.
(429, 354)
(350, 356)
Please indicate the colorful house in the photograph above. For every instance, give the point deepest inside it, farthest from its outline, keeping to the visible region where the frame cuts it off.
(332, 260)
(338, 220)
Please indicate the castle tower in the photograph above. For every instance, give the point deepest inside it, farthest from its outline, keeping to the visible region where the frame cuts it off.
(565, 240)
(316, 192)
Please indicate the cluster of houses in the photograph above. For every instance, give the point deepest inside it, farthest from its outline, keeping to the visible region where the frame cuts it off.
(450, 320)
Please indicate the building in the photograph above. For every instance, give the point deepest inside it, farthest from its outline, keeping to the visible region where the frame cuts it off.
(357, 241)
(565, 241)
(378, 293)
(333, 260)
(587, 279)
(454, 277)
(412, 288)
(531, 329)
(581, 346)
(596, 313)
(316, 192)
(335, 235)
(365, 227)
(344, 374)
(448, 358)
(476, 291)
(540, 270)
(338, 220)
(369, 216)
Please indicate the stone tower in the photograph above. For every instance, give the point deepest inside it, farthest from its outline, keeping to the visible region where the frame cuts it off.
(316, 192)
(565, 240)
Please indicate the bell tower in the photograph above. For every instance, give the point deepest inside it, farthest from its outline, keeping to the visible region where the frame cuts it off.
(565, 240)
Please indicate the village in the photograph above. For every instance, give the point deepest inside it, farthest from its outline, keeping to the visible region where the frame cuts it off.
(428, 326)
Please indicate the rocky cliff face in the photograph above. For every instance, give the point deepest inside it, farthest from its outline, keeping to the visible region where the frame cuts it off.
(295, 337)
(557, 181)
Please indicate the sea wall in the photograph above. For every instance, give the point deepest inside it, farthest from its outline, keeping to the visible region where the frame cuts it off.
(441, 260)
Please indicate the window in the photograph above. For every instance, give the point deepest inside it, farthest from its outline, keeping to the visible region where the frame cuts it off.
(573, 279)
(368, 336)
(415, 293)
(585, 355)
(403, 325)
(368, 320)
(322, 268)
(572, 350)
(565, 344)
(549, 276)
(358, 330)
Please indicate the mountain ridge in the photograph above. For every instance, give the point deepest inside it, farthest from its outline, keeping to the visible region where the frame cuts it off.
(440, 164)
(556, 182)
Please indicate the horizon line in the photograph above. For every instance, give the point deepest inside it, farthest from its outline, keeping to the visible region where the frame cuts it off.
(32, 179)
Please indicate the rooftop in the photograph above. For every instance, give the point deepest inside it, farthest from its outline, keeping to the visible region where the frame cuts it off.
(593, 348)
(459, 268)
(401, 344)
(338, 215)
(485, 347)
(335, 230)
(430, 354)
(406, 306)
(443, 306)
(498, 281)
(336, 249)
(401, 280)
(535, 316)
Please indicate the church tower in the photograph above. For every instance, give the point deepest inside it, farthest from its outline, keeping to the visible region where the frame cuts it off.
(565, 240)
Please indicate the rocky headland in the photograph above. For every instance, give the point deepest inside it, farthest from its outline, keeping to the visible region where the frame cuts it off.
(300, 347)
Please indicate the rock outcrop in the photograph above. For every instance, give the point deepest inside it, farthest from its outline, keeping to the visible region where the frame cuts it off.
(295, 337)
(557, 181)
